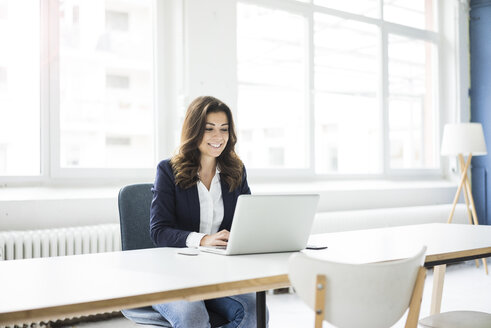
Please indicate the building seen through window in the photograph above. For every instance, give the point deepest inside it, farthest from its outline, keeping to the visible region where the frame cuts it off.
(106, 88)
(361, 94)
(20, 119)
(324, 87)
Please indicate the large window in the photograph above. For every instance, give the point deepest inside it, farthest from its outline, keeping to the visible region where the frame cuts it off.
(95, 91)
(271, 72)
(347, 116)
(338, 87)
(19, 89)
(76, 87)
(411, 103)
(106, 89)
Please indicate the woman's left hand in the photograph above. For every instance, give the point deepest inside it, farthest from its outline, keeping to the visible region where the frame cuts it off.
(217, 239)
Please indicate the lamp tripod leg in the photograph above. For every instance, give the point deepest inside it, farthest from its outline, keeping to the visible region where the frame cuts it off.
(468, 193)
(461, 184)
(466, 197)
(472, 218)
(467, 205)
(475, 220)
(456, 199)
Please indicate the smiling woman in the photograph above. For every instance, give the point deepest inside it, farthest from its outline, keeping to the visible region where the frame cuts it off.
(194, 199)
(208, 123)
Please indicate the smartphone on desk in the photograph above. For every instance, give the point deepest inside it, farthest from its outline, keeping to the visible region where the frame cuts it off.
(315, 246)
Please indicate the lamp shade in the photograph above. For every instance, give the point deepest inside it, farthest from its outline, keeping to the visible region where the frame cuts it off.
(463, 138)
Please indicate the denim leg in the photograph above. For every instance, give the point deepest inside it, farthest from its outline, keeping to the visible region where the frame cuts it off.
(184, 314)
(240, 310)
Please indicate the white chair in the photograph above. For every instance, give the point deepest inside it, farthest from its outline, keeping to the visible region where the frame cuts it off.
(360, 295)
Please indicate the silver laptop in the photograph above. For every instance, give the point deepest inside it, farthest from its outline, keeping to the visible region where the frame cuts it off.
(269, 224)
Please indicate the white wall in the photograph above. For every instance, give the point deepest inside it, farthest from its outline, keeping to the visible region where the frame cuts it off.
(210, 50)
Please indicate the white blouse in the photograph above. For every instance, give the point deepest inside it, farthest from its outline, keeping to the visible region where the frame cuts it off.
(211, 210)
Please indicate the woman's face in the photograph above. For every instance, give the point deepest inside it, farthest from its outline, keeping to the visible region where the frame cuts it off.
(215, 137)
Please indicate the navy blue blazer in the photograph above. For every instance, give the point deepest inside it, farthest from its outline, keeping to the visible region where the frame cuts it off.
(175, 212)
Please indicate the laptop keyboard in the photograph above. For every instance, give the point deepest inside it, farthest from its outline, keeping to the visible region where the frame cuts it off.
(215, 247)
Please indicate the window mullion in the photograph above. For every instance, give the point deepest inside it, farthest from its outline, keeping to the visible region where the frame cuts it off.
(384, 56)
(310, 90)
(53, 65)
(45, 91)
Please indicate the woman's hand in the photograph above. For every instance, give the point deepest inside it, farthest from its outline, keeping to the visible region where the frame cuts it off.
(217, 239)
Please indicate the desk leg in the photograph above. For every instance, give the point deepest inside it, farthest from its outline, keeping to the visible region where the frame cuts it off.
(436, 296)
(261, 309)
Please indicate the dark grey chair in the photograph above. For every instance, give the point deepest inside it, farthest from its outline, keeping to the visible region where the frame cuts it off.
(134, 217)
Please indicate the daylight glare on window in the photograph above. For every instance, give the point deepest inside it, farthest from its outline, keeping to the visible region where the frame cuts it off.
(412, 117)
(106, 84)
(319, 88)
(350, 85)
(346, 96)
(414, 13)
(20, 135)
(368, 8)
(271, 88)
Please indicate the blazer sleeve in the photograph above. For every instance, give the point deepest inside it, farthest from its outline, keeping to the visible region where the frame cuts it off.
(163, 218)
(244, 186)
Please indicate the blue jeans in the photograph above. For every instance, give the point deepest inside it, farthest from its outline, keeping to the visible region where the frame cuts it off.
(239, 310)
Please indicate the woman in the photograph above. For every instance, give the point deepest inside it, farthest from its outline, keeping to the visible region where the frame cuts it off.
(194, 198)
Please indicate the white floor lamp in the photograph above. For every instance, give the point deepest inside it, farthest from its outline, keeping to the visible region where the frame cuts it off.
(464, 139)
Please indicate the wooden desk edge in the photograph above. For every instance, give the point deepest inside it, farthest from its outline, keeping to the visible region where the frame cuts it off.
(446, 258)
(116, 304)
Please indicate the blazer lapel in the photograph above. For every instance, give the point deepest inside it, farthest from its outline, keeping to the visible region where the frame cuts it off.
(228, 199)
(194, 209)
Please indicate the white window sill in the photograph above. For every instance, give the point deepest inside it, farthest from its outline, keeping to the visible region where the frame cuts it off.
(23, 208)
(111, 192)
(56, 193)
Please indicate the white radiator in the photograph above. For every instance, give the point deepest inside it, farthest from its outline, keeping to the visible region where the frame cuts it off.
(16, 245)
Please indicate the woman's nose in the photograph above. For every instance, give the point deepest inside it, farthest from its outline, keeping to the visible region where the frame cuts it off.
(216, 134)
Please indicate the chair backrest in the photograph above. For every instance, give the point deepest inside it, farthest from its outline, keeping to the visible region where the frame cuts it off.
(134, 216)
(358, 295)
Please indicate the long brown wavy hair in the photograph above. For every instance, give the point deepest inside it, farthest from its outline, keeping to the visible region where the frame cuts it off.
(186, 162)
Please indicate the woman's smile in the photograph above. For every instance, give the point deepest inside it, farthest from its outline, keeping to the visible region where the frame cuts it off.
(215, 145)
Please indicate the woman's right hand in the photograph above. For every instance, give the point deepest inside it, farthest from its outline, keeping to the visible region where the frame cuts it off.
(217, 239)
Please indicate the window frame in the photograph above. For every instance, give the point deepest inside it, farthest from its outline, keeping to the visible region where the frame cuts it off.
(51, 171)
(307, 10)
(55, 169)
(173, 77)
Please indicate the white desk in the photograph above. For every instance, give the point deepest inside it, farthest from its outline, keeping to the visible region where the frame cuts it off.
(446, 243)
(40, 289)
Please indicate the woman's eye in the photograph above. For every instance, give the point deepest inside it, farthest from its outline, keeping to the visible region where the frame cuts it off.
(208, 129)
(224, 130)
